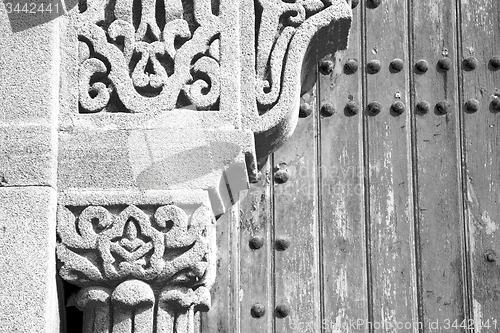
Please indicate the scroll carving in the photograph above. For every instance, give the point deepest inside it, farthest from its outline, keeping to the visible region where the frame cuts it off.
(149, 55)
(129, 260)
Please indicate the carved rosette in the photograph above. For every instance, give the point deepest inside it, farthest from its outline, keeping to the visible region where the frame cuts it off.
(140, 267)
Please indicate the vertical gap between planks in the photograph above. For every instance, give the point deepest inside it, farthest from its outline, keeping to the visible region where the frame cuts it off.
(417, 259)
(462, 174)
(269, 236)
(319, 199)
(272, 238)
(235, 241)
(366, 165)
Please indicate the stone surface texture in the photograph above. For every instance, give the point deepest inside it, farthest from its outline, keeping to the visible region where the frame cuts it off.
(28, 290)
(29, 95)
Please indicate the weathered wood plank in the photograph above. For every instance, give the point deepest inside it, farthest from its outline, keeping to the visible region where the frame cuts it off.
(224, 313)
(481, 40)
(295, 221)
(342, 210)
(389, 175)
(256, 252)
(440, 224)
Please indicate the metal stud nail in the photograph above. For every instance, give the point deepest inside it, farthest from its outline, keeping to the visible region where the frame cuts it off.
(421, 66)
(354, 3)
(374, 108)
(444, 64)
(469, 64)
(305, 110)
(494, 63)
(351, 109)
(495, 105)
(258, 310)
(256, 242)
(423, 107)
(327, 110)
(396, 65)
(398, 107)
(373, 66)
(351, 66)
(471, 106)
(442, 107)
(374, 3)
(281, 176)
(326, 67)
(282, 244)
(490, 256)
(282, 311)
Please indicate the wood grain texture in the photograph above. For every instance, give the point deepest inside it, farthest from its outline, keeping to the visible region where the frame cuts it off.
(257, 280)
(342, 219)
(295, 219)
(438, 181)
(480, 38)
(389, 216)
(389, 171)
(224, 313)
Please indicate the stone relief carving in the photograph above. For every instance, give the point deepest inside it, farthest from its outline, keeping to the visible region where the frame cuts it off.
(133, 259)
(148, 55)
(147, 81)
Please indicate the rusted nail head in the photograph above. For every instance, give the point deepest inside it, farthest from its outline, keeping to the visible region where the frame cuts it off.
(495, 105)
(472, 105)
(374, 108)
(256, 242)
(442, 107)
(422, 66)
(281, 176)
(326, 67)
(444, 64)
(282, 244)
(258, 310)
(423, 107)
(374, 3)
(351, 66)
(396, 65)
(495, 63)
(282, 311)
(470, 64)
(373, 66)
(351, 108)
(398, 107)
(327, 110)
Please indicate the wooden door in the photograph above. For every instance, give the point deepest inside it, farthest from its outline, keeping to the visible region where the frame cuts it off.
(382, 213)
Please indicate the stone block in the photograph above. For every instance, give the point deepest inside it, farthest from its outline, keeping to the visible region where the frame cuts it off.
(27, 156)
(27, 260)
(29, 65)
(154, 159)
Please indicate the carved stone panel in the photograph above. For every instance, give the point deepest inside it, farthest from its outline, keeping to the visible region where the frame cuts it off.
(144, 264)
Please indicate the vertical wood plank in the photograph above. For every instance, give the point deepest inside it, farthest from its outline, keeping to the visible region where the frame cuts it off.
(256, 267)
(224, 312)
(295, 220)
(440, 224)
(390, 181)
(342, 218)
(480, 24)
